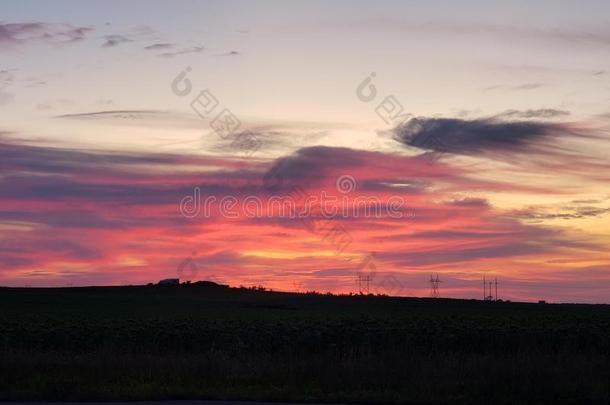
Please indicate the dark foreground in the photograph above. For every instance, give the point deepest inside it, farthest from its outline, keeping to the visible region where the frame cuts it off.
(200, 342)
(166, 402)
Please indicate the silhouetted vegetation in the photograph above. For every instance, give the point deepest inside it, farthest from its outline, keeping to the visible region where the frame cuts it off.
(203, 340)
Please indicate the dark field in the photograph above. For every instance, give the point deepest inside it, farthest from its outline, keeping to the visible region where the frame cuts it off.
(200, 342)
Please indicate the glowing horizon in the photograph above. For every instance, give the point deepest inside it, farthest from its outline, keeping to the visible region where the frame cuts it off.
(479, 138)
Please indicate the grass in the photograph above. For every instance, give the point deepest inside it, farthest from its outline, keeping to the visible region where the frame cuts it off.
(202, 342)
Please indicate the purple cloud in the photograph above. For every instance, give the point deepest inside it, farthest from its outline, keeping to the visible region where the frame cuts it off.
(15, 34)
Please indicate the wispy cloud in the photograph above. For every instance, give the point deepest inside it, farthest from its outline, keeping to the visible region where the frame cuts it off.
(114, 40)
(113, 114)
(184, 51)
(527, 114)
(7, 77)
(159, 46)
(15, 34)
(518, 87)
(231, 53)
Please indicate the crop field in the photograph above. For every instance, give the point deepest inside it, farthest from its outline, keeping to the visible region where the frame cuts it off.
(207, 342)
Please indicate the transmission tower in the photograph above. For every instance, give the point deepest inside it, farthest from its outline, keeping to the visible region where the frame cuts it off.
(488, 294)
(434, 286)
(364, 283)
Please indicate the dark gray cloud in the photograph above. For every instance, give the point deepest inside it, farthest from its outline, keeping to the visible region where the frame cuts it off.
(114, 40)
(307, 165)
(477, 136)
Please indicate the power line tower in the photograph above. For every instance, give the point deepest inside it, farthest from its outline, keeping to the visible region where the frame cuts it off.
(434, 286)
(364, 281)
(488, 291)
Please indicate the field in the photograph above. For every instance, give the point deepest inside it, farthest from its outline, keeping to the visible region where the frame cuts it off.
(206, 342)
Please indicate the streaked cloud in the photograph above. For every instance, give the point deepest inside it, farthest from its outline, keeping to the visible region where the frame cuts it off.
(102, 213)
(15, 34)
(183, 51)
(113, 114)
(527, 114)
(159, 46)
(114, 40)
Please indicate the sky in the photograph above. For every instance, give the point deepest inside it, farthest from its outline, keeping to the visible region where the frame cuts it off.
(305, 146)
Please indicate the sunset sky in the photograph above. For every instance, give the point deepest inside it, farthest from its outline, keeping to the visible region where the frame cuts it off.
(499, 154)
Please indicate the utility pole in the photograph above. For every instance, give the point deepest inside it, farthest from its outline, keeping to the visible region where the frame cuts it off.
(496, 282)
